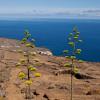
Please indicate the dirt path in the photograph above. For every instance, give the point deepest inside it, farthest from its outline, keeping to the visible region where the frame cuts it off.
(13, 92)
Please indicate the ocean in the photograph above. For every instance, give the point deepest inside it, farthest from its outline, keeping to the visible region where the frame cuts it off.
(52, 34)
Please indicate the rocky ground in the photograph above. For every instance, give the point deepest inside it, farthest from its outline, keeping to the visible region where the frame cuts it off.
(54, 83)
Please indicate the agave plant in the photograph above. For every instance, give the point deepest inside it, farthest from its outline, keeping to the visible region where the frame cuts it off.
(28, 42)
(73, 41)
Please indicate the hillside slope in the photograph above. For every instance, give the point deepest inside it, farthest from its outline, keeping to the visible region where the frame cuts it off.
(54, 84)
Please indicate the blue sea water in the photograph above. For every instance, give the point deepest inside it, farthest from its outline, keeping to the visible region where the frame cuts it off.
(52, 34)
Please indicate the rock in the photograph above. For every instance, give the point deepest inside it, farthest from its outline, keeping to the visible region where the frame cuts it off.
(89, 93)
(44, 51)
(83, 76)
(93, 92)
(2, 93)
(61, 71)
(52, 86)
(36, 93)
(46, 97)
(48, 53)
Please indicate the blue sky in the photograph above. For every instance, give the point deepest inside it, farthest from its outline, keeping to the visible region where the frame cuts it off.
(49, 8)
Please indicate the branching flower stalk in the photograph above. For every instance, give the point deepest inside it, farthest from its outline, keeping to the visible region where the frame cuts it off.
(28, 42)
(73, 40)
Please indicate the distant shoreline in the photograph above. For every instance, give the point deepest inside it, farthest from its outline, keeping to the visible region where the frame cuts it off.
(7, 42)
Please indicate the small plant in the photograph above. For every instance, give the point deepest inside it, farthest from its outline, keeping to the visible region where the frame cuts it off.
(28, 42)
(73, 41)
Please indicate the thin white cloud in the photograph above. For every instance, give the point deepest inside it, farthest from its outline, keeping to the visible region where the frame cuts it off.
(58, 13)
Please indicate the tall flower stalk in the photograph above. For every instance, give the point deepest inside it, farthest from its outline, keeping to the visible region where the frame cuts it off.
(73, 41)
(28, 43)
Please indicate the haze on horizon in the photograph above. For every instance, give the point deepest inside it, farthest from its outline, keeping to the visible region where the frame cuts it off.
(49, 9)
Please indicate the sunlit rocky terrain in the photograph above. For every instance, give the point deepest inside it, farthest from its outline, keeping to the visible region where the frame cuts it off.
(54, 83)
